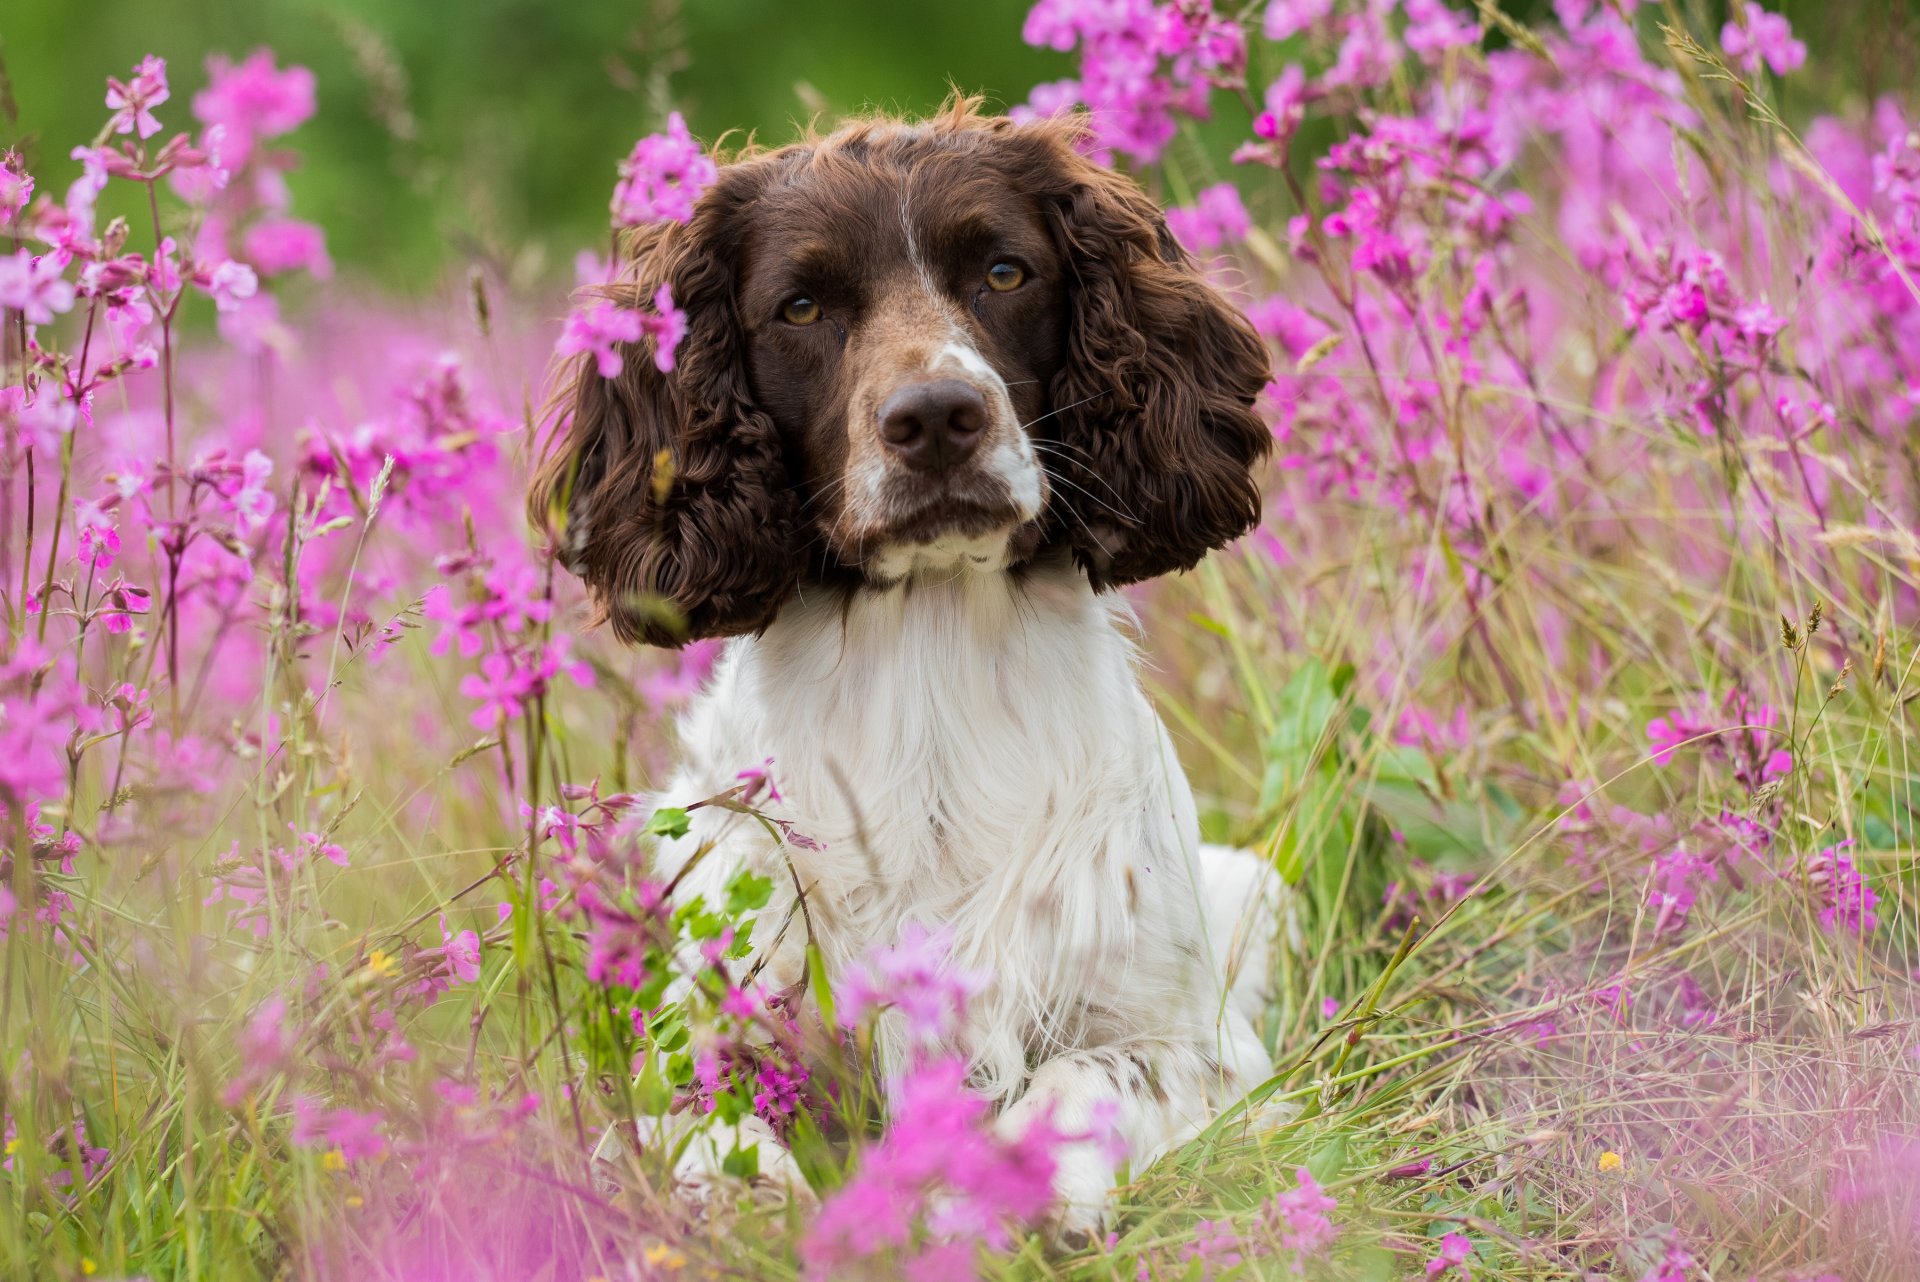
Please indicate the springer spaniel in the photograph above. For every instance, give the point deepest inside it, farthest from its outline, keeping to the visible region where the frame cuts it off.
(944, 387)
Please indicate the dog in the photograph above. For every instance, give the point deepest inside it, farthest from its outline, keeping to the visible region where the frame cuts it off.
(944, 388)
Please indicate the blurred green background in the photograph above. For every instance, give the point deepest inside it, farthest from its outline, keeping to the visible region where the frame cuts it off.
(449, 128)
(455, 130)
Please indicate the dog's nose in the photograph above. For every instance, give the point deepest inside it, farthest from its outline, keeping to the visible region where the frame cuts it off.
(934, 425)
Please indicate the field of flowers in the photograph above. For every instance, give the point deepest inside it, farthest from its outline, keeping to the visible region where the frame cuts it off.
(1567, 682)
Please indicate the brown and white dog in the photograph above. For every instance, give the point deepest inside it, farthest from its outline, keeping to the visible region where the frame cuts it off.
(944, 386)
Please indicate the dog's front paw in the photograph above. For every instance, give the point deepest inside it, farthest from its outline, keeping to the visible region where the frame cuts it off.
(1082, 1178)
(1082, 1197)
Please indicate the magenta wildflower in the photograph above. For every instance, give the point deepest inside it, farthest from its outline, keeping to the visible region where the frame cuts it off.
(276, 245)
(915, 977)
(1433, 27)
(251, 101)
(16, 186)
(1285, 106)
(938, 1182)
(460, 953)
(759, 783)
(1849, 902)
(133, 102)
(1216, 218)
(1674, 1264)
(1766, 37)
(99, 539)
(510, 679)
(355, 1134)
(667, 325)
(604, 328)
(618, 943)
(1456, 1249)
(1297, 1219)
(252, 502)
(229, 284)
(681, 674)
(38, 424)
(662, 177)
(265, 1043)
(1286, 18)
(1677, 875)
(34, 286)
(1212, 1245)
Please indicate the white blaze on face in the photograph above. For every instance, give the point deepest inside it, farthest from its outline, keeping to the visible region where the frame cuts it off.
(926, 336)
(1009, 454)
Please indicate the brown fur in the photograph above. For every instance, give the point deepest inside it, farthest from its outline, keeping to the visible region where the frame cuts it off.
(1131, 374)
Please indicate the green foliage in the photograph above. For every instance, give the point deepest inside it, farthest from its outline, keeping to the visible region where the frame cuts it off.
(489, 131)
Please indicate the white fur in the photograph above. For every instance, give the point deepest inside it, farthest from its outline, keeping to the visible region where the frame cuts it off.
(975, 750)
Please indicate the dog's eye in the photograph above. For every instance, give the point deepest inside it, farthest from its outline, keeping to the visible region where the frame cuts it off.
(1004, 276)
(800, 311)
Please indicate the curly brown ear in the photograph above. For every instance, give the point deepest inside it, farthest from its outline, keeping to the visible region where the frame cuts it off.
(669, 493)
(1154, 407)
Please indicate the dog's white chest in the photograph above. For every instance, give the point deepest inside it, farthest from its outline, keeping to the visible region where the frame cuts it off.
(975, 753)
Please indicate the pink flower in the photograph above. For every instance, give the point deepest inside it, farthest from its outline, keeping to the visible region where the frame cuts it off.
(1850, 901)
(917, 978)
(1676, 875)
(253, 502)
(937, 1186)
(603, 328)
(308, 845)
(460, 954)
(668, 325)
(510, 679)
(252, 325)
(662, 177)
(1665, 734)
(228, 284)
(34, 286)
(759, 783)
(355, 1134)
(252, 101)
(1766, 37)
(1296, 1219)
(99, 540)
(1286, 106)
(265, 1043)
(16, 185)
(1433, 27)
(1215, 218)
(276, 245)
(683, 673)
(134, 101)
(38, 425)
(619, 942)
(1672, 1266)
(1287, 18)
(1455, 1250)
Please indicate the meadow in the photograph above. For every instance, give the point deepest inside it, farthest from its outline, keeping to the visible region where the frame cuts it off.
(1566, 683)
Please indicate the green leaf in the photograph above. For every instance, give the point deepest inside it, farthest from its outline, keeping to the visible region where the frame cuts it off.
(822, 990)
(748, 892)
(668, 821)
(813, 1154)
(742, 1163)
(653, 1093)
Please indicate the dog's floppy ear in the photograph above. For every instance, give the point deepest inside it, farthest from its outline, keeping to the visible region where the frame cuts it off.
(1154, 405)
(668, 493)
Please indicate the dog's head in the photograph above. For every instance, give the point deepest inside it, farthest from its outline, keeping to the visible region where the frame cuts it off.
(952, 344)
